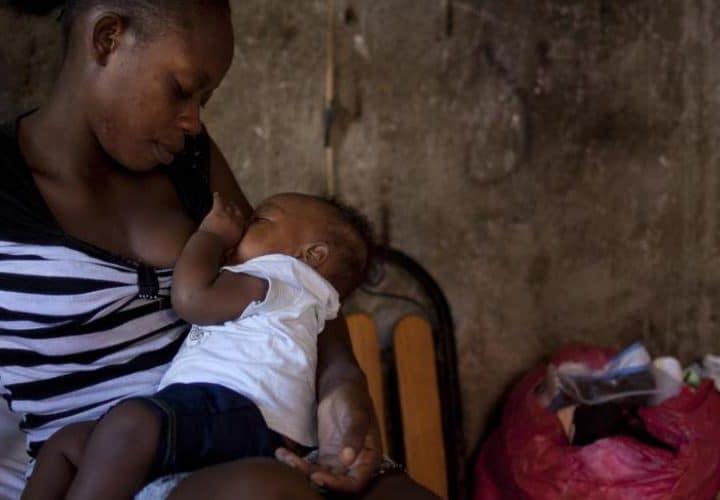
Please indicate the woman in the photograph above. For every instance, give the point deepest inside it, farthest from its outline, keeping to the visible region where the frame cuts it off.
(101, 188)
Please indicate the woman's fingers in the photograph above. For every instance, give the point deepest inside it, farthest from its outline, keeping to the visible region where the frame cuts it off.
(358, 470)
(346, 480)
(354, 437)
(337, 482)
(349, 437)
(344, 426)
(362, 469)
(352, 481)
(289, 458)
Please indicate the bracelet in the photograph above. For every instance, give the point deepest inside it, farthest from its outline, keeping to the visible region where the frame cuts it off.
(387, 466)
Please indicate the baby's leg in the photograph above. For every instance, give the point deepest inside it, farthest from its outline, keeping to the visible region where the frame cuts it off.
(118, 455)
(57, 462)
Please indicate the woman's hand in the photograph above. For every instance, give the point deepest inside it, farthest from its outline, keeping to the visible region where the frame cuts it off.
(224, 220)
(349, 440)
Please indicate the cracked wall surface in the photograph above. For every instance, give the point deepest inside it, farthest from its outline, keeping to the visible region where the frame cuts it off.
(552, 163)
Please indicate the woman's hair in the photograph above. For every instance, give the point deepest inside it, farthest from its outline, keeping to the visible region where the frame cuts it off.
(146, 17)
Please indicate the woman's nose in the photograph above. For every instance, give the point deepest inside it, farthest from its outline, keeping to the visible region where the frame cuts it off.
(190, 119)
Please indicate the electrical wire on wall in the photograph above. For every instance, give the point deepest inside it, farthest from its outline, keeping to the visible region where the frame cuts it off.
(330, 101)
(448, 17)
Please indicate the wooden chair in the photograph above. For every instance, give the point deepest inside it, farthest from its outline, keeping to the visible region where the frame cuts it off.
(417, 394)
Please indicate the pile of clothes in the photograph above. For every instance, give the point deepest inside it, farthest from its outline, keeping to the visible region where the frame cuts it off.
(595, 424)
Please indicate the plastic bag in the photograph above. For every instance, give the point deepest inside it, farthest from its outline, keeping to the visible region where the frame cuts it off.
(630, 375)
(711, 369)
(529, 457)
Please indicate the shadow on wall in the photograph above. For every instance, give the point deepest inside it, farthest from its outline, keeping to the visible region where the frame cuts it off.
(35, 6)
(4, 86)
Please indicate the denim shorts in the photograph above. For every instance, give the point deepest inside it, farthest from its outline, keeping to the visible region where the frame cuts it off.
(205, 424)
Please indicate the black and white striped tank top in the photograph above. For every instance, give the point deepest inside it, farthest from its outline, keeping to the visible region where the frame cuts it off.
(80, 328)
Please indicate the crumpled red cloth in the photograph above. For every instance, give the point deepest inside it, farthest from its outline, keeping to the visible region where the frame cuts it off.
(529, 457)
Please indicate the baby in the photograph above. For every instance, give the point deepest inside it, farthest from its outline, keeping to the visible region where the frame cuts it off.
(243, 383)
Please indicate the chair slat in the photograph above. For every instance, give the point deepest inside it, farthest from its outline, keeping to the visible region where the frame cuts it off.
(366, 346)
(420, 403)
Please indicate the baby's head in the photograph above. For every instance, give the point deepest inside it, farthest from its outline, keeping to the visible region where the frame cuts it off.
(330, 237)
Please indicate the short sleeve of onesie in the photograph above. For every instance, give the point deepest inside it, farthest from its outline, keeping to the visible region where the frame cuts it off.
(289, 282)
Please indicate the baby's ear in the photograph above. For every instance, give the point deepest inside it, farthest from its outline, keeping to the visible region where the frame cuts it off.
(314, 254)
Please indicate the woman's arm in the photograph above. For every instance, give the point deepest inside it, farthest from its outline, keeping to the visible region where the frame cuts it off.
(348, 431)
(349, 437)
(350, 446)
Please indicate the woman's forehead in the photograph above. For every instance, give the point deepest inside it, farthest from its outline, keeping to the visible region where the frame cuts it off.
(199, 55)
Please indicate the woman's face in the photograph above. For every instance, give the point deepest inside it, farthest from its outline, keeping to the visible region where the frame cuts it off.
(147, 96)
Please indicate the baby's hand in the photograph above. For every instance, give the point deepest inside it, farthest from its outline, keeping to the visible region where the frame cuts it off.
(224, 220)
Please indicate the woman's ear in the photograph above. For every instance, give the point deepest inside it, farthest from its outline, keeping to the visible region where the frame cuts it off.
(314, 254)
(106, 36)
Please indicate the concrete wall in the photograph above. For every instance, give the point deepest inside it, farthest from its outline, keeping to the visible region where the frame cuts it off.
(553, 163)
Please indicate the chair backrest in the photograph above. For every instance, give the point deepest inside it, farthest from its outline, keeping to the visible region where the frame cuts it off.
(417, 393)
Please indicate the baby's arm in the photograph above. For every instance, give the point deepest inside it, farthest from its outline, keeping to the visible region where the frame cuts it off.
(199, 294)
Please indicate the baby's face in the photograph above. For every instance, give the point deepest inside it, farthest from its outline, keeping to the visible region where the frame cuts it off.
(281, 224)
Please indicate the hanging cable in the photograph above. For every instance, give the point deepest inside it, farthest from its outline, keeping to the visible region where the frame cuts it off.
(329, 117)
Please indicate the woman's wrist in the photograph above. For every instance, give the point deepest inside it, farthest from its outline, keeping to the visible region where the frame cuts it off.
(336, 362)
(353, 389)
(341, 375)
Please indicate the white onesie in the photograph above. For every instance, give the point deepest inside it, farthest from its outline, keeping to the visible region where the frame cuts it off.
(269, 353)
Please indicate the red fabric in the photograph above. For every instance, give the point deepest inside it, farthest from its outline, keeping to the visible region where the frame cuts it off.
(528, 456)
